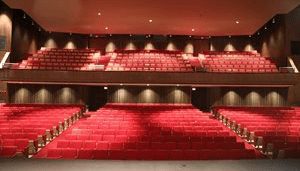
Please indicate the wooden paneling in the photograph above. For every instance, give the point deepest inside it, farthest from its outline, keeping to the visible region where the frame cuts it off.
(6, 25)
(250, 96)
(56, 94)
(149, 95)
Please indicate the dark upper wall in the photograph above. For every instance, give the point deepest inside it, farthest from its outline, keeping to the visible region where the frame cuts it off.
(6, 25)
(232, 43)
(270, 42)
(292, 28)
(64, 40)
(25, 36)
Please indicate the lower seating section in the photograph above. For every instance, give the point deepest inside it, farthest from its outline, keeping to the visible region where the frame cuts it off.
(24, 127)
(148, 132)
(65, 60)
(159, 61)
(235, 62)
(275, 131)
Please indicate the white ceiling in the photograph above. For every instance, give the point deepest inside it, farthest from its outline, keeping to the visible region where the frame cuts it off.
(177, 17)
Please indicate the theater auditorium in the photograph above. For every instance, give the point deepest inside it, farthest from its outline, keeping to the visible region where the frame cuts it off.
(149, 85)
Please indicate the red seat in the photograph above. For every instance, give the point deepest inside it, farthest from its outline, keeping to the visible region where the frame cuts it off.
(54, 153)
(8, 151)
(69, 153)
(85, 154)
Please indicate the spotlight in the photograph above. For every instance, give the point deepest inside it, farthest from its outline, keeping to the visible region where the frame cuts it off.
(40, 29)
(91, 35)
(193, 89)
(266, 28)
(170, 35)
(32, 23)
(110, 35)
(237, 22)
(121, 84)
(150, 21)
(24, 16)
(105, 88)
(193, 30)
(148, 85)
(273, 21)
(70, 34)
(130, 35)
(229, 36)
(190, 36)
(258, 33)
(250, 36)
(99, 13)
(106, 28)
(177, 85)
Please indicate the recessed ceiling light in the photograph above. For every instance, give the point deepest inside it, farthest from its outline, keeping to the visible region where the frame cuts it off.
(193, 30)
(91, 35)
(177, 85)
(110, 35)
(229, 36)
(150, 21)
(258, 33)
(148, 85)
(106, 28)
(105, 88)
(250, 36)
(237, 22)
(121, 84)
(130, 35)
(190, 36)
(193, 89)
(273, 21)
(99, 13)
(24, 16)
(266, 28)
(96, 36)
(170, 35)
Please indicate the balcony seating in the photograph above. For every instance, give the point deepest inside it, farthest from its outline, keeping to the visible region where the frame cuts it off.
(156, 61)
(276, 131)
(235, 62)
(20, 124)
(65, 60)
(148, 132)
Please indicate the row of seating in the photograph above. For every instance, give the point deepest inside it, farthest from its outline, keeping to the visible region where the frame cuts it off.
(275, 131)
(25, 128)
(116, 131)
(148, 61)
(144, 154)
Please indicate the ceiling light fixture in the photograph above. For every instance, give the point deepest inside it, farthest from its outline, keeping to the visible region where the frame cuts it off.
(121, 84)
(250, 36)
(106, 28)
(237, 22)
(190, 36)
(32, 23)
(193, 89)
(99, 13)
(91, 35)
(105, 88)
(193, 30)
(130, 35)
(24, 16)
(148, 85)
(170, 35)
(273, 21)
(266, 28)
(150, 21)
(177, 85)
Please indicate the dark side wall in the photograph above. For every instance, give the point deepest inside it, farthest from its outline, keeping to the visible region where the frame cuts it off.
(6, 16)
(25, 36)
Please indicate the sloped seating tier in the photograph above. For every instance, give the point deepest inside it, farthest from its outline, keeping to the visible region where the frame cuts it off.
(22, 124)
(235, 62)
(276, 131)
(148, 132)
(65, 59)
(158, 61)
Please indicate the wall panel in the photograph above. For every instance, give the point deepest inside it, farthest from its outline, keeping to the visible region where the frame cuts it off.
(149, 95)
